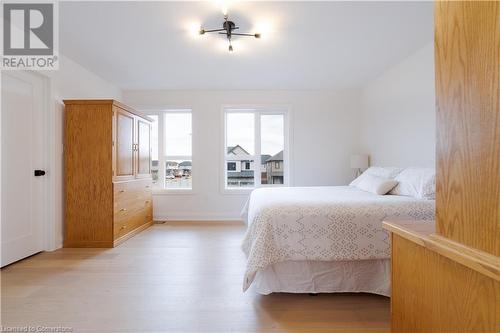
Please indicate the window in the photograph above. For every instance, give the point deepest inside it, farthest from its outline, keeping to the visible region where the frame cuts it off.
(171, 143)
(255, 140)
(154, 149)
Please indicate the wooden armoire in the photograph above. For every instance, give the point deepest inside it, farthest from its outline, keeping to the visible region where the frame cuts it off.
(107, 179)
(446, 277)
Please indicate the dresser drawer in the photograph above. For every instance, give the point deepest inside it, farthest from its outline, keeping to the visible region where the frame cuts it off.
(127, 209)
(122, 228)
(124, 191)
(131, 196)
(123, 224)
(132, 206)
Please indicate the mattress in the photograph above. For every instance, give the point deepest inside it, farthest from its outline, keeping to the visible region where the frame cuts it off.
(326, 223)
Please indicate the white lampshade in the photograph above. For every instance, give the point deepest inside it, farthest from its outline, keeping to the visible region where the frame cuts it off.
(359, 161)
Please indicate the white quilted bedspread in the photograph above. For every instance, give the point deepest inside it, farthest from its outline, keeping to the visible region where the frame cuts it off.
(327, 223)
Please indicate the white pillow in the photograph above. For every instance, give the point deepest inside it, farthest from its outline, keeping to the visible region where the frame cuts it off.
(416, 182)
(382, 172)
(377, 185)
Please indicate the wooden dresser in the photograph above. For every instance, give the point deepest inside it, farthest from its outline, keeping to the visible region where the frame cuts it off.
(107, 164)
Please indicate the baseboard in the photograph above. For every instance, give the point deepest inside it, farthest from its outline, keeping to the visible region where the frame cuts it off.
(87, 244)
(191, 216)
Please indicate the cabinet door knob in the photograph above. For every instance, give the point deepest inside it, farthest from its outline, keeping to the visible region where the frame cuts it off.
(123, 210)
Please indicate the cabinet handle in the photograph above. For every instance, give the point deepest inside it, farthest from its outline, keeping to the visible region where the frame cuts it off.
(147, 201)
(123, 227)
(121, 191)
(123, 210)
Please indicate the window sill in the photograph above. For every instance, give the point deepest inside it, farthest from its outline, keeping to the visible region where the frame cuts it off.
(237, 191)
(176, 191)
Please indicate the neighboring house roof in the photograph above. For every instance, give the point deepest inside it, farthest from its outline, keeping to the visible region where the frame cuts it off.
(233, 150)
(185, 163)
(264, 158)
(171, 163)
(277, 157)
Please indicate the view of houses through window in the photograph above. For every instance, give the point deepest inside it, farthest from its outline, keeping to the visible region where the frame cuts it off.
(255, 143)
(172, 144)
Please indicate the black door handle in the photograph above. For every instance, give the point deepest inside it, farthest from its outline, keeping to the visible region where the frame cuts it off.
(39, 173)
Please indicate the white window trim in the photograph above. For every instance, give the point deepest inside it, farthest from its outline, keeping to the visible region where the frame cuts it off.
(286, 111)
(161, 156)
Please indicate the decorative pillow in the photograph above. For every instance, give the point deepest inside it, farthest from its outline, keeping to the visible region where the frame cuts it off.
(382, 172)
(377, 185)
(416, 182)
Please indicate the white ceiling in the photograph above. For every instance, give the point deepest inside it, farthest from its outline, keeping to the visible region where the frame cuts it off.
(305, 45)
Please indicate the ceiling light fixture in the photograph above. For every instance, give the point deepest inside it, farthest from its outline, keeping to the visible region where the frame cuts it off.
(227, 29)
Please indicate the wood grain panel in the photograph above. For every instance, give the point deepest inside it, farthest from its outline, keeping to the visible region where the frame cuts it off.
(467, 50)
(113, 102)
(432, 293)
(422, 233)
(143, 148)
(124, 145)
(88, 174)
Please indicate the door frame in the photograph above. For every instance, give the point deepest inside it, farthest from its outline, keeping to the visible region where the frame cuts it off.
(48, 127)
(52, 130)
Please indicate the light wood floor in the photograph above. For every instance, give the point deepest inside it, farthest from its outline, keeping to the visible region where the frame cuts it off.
(176, 277)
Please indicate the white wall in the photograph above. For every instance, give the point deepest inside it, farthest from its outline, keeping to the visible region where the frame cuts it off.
(398, 126)
(71, 81)
(324, 133)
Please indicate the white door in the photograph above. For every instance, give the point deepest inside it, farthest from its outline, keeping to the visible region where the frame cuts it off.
(22, 152)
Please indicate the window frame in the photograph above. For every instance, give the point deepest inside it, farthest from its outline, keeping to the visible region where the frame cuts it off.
(162, 158)
(258, 111)
(227, 163)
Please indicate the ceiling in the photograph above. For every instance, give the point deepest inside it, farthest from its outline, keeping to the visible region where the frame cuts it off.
(304, 45)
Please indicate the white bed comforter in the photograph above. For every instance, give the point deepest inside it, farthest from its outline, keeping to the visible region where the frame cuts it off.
(331, 223)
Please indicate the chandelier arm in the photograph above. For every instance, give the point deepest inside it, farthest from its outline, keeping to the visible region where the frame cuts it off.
(214, 30)
(242, 34)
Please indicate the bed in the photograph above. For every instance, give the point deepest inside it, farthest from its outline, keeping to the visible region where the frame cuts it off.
(323, 239)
